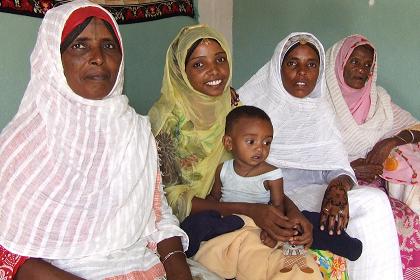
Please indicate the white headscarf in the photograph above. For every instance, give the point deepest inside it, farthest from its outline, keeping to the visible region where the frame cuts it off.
(305, 135)
(77, 176)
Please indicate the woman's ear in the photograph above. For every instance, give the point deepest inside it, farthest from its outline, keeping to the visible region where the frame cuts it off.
(227, 142)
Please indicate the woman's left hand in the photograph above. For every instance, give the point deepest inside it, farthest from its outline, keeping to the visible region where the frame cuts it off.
(335, 206)
(381, 151)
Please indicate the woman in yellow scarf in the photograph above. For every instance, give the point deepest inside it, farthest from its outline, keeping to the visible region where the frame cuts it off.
(189, 124)
(189, 121)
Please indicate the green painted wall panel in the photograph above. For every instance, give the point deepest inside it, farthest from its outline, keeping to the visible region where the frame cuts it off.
(393, 26)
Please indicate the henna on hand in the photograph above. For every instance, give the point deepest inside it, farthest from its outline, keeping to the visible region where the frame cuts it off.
(335, 207)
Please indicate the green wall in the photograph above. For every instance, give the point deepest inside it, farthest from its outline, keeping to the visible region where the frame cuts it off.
(257, 27)
(393, 26)
(145, 48)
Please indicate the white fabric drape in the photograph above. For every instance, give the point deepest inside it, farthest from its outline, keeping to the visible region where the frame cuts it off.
(307, 141)
(305, 135)
(384, 118)
(77, 176)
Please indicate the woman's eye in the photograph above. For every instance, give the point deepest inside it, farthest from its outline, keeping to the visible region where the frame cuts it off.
(312, 65)
(198, 65)
(78, 46)
(221, 59)
(354, 61)
(109, 45)
(291, 63)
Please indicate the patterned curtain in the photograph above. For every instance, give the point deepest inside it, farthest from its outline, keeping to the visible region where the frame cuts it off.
(124, 11)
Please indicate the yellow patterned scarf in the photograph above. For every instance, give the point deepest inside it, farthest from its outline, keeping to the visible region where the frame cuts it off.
(189, 125)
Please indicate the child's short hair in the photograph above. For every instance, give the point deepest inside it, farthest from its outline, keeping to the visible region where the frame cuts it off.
(244, 112)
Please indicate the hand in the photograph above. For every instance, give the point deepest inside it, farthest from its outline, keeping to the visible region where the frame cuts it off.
(271, 219)
(234, 97)
(267, 240)
(381, 151)
(364, 171)
(304, 228)
(335, 208)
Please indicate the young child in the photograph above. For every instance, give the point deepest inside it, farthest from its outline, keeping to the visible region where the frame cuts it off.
(248, 177)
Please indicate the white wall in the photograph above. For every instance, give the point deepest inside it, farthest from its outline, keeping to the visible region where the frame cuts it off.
(217, 14)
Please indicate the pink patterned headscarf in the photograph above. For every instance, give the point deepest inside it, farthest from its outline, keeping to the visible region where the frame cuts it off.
(358, 100)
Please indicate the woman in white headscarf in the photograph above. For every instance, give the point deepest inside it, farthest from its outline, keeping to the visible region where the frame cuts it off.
(307, 145)
(81, 193)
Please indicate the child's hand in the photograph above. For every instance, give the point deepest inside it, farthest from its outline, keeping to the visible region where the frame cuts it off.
(267, 240)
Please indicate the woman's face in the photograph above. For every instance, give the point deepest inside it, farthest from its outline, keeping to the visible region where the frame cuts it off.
(300, 70)
(208, 68)
(92, 61)
(358, 67)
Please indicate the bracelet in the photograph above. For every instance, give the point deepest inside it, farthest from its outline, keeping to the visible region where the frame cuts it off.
(412, 135)
(170, 254)
(402, 139)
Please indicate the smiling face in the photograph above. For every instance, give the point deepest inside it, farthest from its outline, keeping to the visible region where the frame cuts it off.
(249, 141)
(208, 68)
(92, 61)
(358, 67)
(300, 70)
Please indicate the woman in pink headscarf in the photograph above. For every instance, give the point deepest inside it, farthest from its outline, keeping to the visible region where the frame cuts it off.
(382, 139)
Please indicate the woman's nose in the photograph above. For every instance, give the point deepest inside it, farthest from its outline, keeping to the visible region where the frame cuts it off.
(97, 57)
(363, 69)
(214, 69)
(301, 71)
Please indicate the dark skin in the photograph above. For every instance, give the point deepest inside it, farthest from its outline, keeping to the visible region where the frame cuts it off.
(369, 168)
(249, 141)
(335, 205)
(91, 65)
(92, 61)
(356, 73)
(210, 56)
(299, 74)
(268, 217)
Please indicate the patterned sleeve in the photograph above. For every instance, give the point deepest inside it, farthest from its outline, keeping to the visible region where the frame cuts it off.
(167, 225)
(402, 120)
(9, 263)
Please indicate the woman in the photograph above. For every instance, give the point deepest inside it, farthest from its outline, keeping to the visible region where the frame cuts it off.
(81, 193)
(373, 129)
(188, 121)
(307, 145)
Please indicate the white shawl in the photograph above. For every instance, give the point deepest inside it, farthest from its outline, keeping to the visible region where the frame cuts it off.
(305, 135)
(77, 176)
(384, 119)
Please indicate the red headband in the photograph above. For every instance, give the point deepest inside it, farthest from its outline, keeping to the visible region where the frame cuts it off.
(80, 15)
